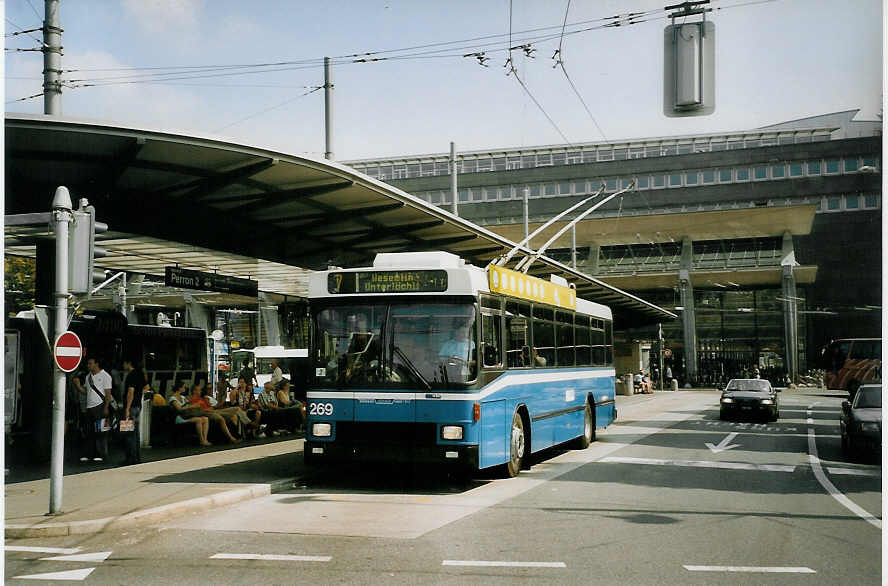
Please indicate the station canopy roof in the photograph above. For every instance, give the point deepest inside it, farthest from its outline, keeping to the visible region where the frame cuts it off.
(208, 204)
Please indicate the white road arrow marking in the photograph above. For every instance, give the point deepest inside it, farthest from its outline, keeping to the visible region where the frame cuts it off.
(99, 556)
(723, 445)
(73, 575)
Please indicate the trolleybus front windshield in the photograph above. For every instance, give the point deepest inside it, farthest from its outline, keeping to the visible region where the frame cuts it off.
(395, 345)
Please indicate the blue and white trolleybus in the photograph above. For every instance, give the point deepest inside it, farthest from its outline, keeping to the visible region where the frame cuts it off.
(425, 358)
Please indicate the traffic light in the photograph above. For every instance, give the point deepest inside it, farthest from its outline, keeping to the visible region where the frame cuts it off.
(82, 249)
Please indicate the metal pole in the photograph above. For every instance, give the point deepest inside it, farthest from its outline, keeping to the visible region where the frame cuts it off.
(61, 211)
(52, 59)
(573, 246)
(662, 351)
(453, 186)
(328, 106)
(526, 213)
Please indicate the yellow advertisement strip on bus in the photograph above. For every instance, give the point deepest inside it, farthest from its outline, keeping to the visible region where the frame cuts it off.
(515, 284)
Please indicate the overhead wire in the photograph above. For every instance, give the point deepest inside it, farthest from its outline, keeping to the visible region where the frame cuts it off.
(28, 31)
(512, 70)
(282, 104)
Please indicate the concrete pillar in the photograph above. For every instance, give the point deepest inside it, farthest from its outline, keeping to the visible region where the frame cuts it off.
(271, 326)
(592, 259)
(196, 314)
(688, 314)
(790, 308)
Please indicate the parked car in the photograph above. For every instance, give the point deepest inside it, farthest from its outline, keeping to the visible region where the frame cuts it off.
(861, 422)
(749, 397)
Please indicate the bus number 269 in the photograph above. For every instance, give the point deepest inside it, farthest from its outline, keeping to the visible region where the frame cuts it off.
(320, 409)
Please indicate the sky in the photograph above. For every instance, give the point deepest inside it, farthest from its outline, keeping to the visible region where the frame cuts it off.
(775, 61)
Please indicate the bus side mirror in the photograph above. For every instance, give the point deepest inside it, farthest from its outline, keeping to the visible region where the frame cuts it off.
(846, 407)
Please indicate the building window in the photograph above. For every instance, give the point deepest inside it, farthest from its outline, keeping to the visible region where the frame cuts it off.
(852, 202)
(484, 165)
(558, 158)
(574, 158)
(786, 139)
(528, 161)
(669, 150)
(759, 173)
(621, 154)
(851, 165)
(644, 182)
(833, 203)
(499, 164)
(399, 171)
(734, 145)
(725, 175)
(709, 176)
(683, 149)
(435, 197)
(579, 187)
(413, 170)
(795, 170)
(718, 145)
(504, 193)
(659, 181)
(513, 163)
(549, 189)
(675, 180)
(652, 151)
(564, 188)
(750, 144)
(870, 201)
(605, 155)
(463, 195)
(470, 166)
(743, 174)
(636, 153)
(534, 191)
(544, 160)
(477, 193)
(769, 141)
(590, 156)
(813, 167)
(869, 161)
(692, 178)
(832, 166)
(442, 168)
(610, 185)
(778, 171)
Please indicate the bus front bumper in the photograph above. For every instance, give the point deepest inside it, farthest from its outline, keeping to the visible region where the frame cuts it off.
(465, 456)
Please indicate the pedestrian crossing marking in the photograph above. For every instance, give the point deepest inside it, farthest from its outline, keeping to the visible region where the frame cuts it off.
(99, 556)
(271, 557)
(70, 575)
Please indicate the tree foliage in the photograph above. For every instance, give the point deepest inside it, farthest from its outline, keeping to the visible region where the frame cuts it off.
(19, 282)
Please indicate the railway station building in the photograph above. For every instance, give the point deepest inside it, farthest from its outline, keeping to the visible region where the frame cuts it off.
(766, 241)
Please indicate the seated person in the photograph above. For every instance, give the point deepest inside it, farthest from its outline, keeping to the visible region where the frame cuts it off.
(203, 407)
(201, 423)
(287, 404)
(278, 418)
(243, 398)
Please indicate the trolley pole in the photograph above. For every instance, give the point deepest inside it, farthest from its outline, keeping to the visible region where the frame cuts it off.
(453, 187)
(61, 216)
(52, 60)
(328, 107)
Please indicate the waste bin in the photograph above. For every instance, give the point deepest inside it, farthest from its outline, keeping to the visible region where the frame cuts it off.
(674, 384)
(624, 384)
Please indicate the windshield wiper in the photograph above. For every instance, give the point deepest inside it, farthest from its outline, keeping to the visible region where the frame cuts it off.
(412, 367)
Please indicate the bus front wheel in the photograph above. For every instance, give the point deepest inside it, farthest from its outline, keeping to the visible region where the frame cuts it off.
(516, 446)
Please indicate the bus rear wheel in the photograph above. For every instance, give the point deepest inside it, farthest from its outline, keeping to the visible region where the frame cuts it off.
(588, 436)
(517, 446)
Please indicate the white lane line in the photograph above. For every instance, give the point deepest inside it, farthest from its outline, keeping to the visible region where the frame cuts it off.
(767, 569)
(99, 556)
(700, 464)
(830, 487)
(38, 549)
(271, 557)
(70, 575)
(483, 564)
(854, 472)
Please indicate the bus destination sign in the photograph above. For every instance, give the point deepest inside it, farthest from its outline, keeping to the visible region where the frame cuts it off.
(387, 282)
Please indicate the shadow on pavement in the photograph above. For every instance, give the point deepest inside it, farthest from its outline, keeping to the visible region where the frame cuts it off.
(257, 471)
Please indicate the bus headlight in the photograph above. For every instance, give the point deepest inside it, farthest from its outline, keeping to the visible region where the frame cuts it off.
(727, 400)
(767, 402)
(452, 432)
(321, 429)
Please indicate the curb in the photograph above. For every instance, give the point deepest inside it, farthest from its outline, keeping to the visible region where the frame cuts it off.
(147, 516)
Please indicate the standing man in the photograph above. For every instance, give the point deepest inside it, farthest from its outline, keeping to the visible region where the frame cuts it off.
(133, 386)
(277, 375)
(98, 407)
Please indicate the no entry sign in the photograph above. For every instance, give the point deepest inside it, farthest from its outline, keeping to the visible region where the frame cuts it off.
(67, 351)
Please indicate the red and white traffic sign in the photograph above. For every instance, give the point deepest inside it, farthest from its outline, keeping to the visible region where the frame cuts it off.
(67, 351)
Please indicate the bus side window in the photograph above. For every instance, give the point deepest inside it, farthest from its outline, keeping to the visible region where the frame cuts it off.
(491, 340)
(517, 318)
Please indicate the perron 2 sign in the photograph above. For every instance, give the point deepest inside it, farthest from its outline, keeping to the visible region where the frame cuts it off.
(187, 279)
